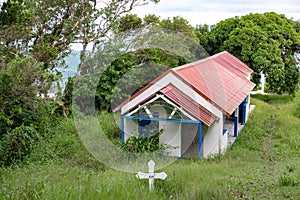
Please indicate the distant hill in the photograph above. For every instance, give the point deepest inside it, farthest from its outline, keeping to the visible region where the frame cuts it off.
(72, 62)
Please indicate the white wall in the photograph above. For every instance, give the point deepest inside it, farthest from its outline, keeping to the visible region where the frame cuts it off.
(248, 107)
(130, 128)
(162, 113)
(172, 137)
(212, 142)
(224, 142)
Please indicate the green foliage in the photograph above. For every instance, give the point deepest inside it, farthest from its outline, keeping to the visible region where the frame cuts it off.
(17, 144)
(123, 75)
(143, 144)
(265, 42)
(23, 114)
(181, 25)
(63, 145)
(45, 29)
(110, 123)
(176, 24)
(205, 37)
(274, 99)
(297, 105)
(151, 20)
(129, 22)
(34, 37)
(18, 92)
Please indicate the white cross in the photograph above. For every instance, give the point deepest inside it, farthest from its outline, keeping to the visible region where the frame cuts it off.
(151, 175)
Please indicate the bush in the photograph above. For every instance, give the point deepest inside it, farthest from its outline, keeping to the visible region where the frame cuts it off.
(18, 93)
(143, 144)
(110, 124)
(17, 144)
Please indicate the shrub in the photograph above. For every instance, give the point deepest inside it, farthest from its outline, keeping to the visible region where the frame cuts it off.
(17, 144)
(20, 82)
(109, 125)
(143, 144)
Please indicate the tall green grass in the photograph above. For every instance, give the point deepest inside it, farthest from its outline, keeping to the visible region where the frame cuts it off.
(297, 105)
(263, 163)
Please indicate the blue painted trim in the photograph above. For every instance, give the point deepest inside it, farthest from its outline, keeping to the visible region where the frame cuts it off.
(162, 119)
(236, 125)
(123, 131)
(224, 131)
(244, 112)
(200, 154)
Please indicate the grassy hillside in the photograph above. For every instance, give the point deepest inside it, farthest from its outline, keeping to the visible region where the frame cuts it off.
(264, 163)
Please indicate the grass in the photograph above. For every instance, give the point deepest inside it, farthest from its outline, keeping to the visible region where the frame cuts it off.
(263, 163)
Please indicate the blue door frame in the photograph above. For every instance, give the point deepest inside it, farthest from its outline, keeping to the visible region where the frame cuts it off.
(200, 153)
(243, 112)
(236, 126)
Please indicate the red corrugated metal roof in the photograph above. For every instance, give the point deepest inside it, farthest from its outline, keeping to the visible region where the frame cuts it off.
(219, 81)
(189, 105)
(232, 63)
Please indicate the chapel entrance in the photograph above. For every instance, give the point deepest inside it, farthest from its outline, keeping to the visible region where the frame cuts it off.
(189, 140)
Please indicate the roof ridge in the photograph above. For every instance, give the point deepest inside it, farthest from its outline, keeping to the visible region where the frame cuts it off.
(198, 61)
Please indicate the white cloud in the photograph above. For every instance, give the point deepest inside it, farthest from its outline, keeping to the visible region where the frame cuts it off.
(213, 11)
(1, 2)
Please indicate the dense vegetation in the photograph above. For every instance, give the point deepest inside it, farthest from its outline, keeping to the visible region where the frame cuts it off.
(262, 164)
(41, 155)
(35, 36)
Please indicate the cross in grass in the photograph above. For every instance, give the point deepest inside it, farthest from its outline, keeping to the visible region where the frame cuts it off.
(151, 175)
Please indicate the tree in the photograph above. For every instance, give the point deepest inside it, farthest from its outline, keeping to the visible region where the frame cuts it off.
(151, 20)
(46, 28)
(18, 88)
(129, 22)
(34, 37)
(206, 38)
(130, 72)
(176, 24)
(265, 42)
(181, 25)
(129, 60)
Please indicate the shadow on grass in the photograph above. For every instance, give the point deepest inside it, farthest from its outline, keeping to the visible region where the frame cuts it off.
(273, 98)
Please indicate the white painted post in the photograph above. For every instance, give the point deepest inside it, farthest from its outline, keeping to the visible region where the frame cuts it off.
(151, 175)
(262, 81)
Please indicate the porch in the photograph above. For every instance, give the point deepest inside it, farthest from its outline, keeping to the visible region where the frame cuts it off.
(229, 125)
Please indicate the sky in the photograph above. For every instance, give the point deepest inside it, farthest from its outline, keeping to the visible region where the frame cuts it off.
(213, 11)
